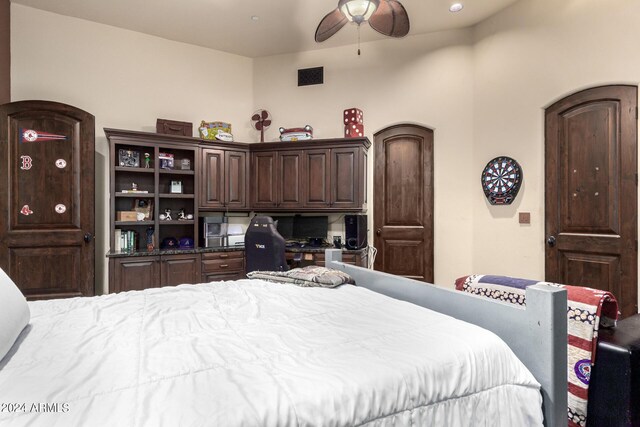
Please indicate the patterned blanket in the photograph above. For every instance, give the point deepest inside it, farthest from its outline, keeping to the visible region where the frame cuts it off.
(310, 276)
(587, 310)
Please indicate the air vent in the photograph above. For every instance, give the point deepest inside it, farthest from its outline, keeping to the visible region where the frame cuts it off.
(311, 76)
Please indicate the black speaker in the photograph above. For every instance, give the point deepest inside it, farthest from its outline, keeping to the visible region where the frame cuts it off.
(355, 231)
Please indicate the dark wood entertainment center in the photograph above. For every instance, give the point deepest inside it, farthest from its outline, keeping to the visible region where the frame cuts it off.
(319, 176)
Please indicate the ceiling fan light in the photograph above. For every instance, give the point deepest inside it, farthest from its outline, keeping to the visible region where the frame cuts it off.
(358, 11)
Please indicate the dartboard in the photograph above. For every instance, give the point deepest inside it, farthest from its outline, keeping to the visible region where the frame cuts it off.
(501, 180)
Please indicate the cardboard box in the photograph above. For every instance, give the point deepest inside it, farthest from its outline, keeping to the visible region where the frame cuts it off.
(126, 216)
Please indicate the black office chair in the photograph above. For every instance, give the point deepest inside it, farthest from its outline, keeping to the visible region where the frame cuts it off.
(264, 246)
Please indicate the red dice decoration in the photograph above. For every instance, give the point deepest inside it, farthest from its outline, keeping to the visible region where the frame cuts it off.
(353, 115)
(353, 130)
(353, 123)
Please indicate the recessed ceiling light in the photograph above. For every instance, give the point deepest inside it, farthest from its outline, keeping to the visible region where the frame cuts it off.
(255, 18)
(456, 7)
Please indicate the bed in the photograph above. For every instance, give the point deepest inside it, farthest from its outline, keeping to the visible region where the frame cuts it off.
(253, 353)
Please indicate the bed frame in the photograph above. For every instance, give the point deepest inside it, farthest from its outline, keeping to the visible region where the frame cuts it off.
(536, 334)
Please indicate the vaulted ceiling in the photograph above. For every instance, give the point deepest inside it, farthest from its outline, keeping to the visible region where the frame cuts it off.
(256, 28)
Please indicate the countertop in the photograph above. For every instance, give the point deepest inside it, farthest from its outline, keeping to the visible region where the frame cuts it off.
(156, 252)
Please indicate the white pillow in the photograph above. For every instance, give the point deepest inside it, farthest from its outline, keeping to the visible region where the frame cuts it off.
(14, 313)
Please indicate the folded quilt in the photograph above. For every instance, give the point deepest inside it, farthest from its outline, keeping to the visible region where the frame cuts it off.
(311, 276)
(587, 310)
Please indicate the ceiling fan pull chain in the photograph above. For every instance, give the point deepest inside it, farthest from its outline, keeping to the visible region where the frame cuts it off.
(358, 39)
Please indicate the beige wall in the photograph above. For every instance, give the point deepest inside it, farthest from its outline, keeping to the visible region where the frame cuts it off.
(482, 90)
(126, 80)
(5, 52)
(492, 103)
(425, 80)
(527, 57)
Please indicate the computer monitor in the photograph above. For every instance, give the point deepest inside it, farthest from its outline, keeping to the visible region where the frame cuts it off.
(310, 227)
(284, 225)
(302, 227)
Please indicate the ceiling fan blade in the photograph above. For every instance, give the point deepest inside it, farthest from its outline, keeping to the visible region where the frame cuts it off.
(255, 117)
(266, 123)
(390, 19)
(330, 25)
(258, 125)
(265, 114)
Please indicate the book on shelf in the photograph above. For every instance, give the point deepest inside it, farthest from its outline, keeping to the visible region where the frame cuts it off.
(117, 244)
(128, 240)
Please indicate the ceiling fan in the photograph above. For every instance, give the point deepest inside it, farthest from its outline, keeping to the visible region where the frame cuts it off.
(387, 17)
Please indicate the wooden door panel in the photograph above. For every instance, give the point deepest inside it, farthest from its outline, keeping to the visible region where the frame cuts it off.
(591, 192)
(591, 270)
(264, 188)
(47, 198)
(589, 148)
(404, 257)
(179, 269)
(212, 179)
(47, 272)
(403, 201)
(317, 178)
(290, 179)
(33, 163)
(236, 173)
(404, 183)
(345, 170)
(136, 273)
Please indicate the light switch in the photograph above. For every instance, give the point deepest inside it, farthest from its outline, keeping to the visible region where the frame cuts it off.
(524, 217)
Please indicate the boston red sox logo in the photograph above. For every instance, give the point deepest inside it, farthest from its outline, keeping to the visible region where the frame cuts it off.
(25, 210)
(27, 162)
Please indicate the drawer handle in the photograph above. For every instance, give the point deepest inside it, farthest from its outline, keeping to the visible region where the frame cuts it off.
(224, 265)
(224, 256)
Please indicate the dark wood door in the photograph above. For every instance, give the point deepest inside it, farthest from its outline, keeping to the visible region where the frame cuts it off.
(316, 178)
(236, 168)
(134, 274)
(47, 198)
(179, 269)
(290, 179)
(345, 175)
(212, 179)
(591, 192)
(264, 189)
(403, 201)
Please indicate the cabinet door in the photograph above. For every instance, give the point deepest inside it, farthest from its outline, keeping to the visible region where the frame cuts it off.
(264, 183)
(134, 273)
(345, 178)
(316, 178)
(212, 179)
(289, 179)
(235, 166)
(178, 269)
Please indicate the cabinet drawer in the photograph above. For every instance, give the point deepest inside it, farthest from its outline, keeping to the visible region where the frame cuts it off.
(220, 265)
(223, 255)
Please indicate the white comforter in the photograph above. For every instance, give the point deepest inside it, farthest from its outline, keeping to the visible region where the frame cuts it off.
(252, 353)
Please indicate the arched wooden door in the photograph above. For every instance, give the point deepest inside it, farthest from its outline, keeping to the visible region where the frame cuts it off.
(47, 198)
(403, 201)
(591, 192)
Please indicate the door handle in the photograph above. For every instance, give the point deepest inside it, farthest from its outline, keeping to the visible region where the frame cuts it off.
(88, 237)
(551, 241)
(378, 231)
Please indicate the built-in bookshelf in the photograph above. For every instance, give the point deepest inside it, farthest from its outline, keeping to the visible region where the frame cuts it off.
(151, 178)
